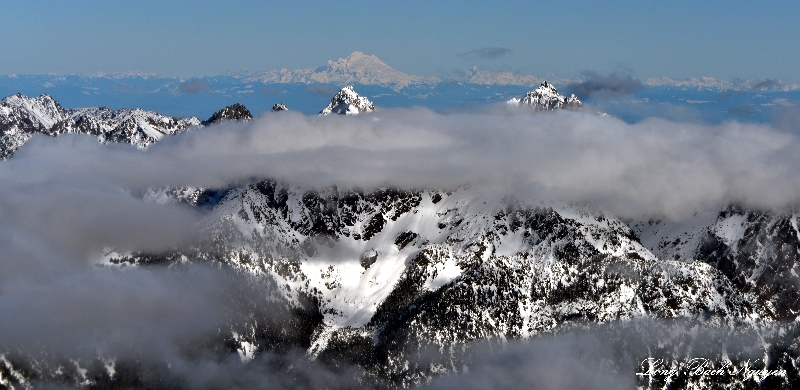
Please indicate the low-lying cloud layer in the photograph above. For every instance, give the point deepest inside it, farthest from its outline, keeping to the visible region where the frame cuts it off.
(654, 168)
(612, 356)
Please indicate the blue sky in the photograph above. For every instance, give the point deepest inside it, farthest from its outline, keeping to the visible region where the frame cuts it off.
(728, 39)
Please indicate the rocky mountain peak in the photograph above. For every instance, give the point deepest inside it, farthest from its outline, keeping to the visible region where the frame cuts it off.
(234, 112)
(546, 97)
(348, 102)
(22, 116)
(279, 107)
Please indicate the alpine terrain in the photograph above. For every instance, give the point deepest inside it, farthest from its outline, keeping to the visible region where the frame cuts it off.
(407, 285)
(22, 116)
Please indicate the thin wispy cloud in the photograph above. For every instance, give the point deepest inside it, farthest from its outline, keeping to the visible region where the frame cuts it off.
(485, 53)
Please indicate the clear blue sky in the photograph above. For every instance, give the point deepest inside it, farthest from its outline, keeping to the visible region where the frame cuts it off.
(724, 39)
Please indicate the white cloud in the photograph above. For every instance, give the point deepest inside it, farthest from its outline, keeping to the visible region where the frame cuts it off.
(652, 168)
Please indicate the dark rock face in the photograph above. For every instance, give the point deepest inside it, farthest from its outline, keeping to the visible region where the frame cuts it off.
(756, 251)
(235, 112)
(763, 261)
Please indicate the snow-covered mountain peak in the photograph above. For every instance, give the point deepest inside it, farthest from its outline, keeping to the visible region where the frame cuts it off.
(348, 102)
(22, 116)
(547, 89)
(357, 68)
(546, 97)
(43, 108)
(360, 62)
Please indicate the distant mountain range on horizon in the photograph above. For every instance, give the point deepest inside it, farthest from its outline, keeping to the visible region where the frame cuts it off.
(307, 90)
(364, 69)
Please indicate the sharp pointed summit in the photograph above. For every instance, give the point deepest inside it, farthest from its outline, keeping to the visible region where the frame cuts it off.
(546, 97)
(348, 102)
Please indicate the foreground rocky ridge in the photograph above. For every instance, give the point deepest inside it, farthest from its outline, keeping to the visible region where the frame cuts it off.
(400, 274)
(404, 284)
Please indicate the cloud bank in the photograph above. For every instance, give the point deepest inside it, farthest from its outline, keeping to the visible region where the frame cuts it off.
(654, 168)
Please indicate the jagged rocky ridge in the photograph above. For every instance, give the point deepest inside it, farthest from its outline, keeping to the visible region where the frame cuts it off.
(22, 116)
(545, 98)
(348, 102)
(397, 274)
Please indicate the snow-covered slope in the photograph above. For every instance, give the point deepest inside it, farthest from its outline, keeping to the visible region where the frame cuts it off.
(757, 251)
(348, 102)
(452, 267)
(545, 98)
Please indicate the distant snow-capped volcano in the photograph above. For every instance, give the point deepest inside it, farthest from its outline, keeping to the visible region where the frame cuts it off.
(357, 68)
(348, 102)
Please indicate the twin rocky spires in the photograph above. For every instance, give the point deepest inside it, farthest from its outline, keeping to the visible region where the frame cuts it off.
(543, 98)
